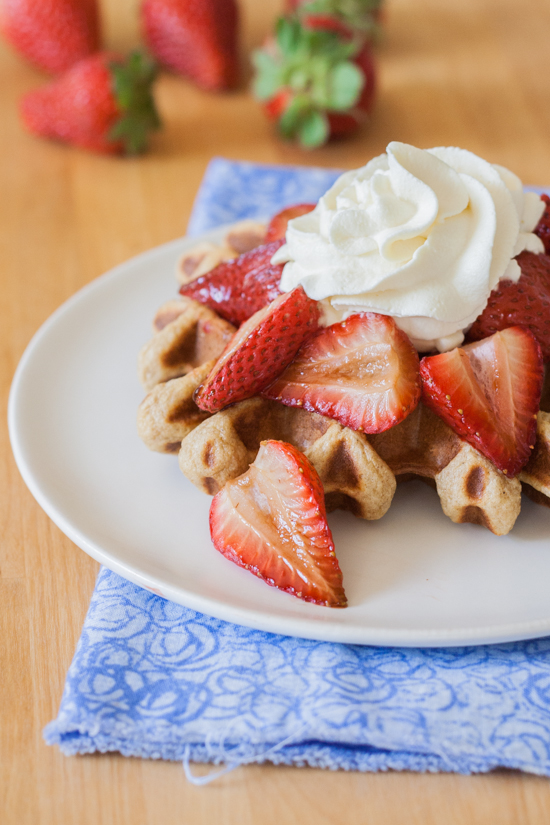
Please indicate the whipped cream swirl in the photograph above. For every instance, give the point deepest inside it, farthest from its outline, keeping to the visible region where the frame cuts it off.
(421, 235)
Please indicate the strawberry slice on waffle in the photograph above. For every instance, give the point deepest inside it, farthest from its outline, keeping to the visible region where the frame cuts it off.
(489, 393)
(525, 303)
(363, 372)
(272, 521)
(542, 229)
(237, 289)
(259, 350)
(278, 224)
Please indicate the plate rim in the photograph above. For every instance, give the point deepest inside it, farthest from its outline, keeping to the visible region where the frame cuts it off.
(301, 627)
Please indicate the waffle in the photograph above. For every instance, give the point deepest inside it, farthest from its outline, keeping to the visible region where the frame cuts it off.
(470, 487)
(535, 476)
(359, 472)
(195, 335)
(201, 258)
(354, 477)
(168, 413)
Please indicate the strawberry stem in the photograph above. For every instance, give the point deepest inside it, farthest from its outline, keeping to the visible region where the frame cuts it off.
(315, 70)
(132, 86)
(358, 16)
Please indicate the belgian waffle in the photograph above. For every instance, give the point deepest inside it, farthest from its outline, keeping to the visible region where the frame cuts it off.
(470, 487)
(201, 258)
(359, 473)
(187, 334)
(168, 413)
(222, 447)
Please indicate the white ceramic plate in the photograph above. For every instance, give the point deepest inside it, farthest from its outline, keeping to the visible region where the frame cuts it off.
(413, 578)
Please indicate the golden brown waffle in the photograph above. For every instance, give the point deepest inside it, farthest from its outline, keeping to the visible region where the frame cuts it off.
(168, 413)
(359, 472)
(535, 476)
(222, 448)
(201, 258)
(196, 335)
(470, 487)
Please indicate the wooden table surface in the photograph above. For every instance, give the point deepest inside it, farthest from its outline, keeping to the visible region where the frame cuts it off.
(473, 74)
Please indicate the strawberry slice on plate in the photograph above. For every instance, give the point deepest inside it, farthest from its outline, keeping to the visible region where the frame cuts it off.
(525, 303)
(278, 224)
(362, 371)
(259, 350)
(237, 289)
(489, 394)
(272, 521)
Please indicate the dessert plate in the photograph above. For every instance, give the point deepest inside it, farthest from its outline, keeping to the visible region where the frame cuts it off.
(412, 579)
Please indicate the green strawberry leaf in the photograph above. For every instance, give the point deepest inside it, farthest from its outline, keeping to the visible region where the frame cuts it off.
(345, 84)
(132, 87)
(268, 77)
(291, 119)
(316, 68)
(288, 34)
(314, 129)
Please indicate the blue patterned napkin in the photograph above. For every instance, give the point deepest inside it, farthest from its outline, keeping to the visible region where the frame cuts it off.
(152, 679)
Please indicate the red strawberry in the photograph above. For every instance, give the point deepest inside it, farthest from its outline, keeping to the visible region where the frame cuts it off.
(341, 123)
(313, 81)
(542, 229)
(272, 521)
(276, 105)
(279, 223)
(104, 103)
(363, 372)
(489, 394)
(239, 288)
(195, 38)
(52, 34)
(259, 350)
(526, 303)
(325, 22)
(348, 17)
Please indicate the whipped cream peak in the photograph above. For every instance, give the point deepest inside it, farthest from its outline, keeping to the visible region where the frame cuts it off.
(421, 235)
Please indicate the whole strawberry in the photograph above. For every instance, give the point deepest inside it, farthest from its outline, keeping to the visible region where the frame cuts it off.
(314, 82)
(104, 103)
(52, 34)
(195, 38)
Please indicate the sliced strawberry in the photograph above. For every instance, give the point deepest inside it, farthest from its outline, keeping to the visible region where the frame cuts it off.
(239, 288)
(278, 224)
(272, 521)
(259, 350)
(489, 393)
(542, 229)
(526, 303)
(363, 372)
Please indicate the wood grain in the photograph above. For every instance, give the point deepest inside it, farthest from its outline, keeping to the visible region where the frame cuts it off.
(472, 74)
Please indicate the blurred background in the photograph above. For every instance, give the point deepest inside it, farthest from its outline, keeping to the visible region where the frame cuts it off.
(472, 74)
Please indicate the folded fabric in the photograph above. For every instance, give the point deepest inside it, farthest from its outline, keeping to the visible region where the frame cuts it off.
(153, 679)
(234, 190)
